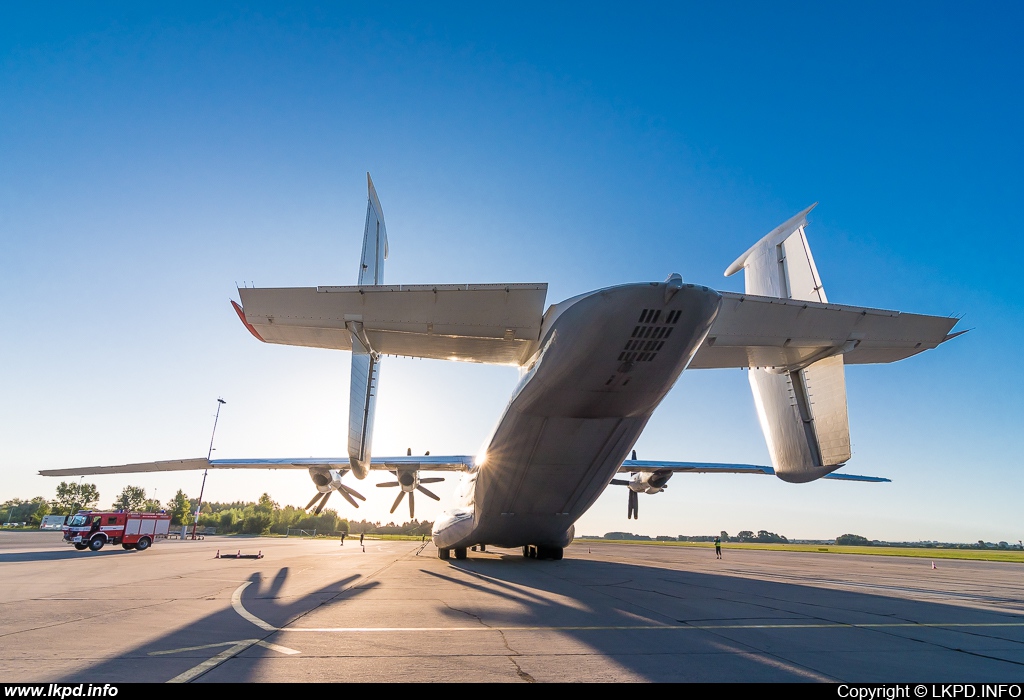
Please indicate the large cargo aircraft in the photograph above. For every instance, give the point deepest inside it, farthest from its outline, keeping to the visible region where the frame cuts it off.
(593, 370)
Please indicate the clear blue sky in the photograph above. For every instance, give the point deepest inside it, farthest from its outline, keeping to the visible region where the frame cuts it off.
(150, 158)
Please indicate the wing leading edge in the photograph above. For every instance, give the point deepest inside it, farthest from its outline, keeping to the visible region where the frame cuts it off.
(642, 465)
(426, 463)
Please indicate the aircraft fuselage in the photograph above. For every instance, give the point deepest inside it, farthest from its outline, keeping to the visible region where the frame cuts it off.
(606, 360)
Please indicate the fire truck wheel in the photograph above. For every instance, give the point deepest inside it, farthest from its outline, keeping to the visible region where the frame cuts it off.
(125, 545)
(96, 543)
(80, 546)
(143, 544)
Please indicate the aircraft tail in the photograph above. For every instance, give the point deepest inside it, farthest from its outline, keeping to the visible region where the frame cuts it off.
(365, 360)
(802, 409)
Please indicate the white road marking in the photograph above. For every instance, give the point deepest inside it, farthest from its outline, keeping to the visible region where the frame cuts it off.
(236, 603)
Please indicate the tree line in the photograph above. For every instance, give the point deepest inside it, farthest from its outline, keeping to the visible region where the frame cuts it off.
(262, 517)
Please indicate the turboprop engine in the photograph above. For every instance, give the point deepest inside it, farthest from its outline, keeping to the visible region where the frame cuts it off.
(328, 481)
(409, 480)
(643, 482)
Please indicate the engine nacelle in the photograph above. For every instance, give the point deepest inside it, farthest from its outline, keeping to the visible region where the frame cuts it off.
(650, 482)
(326, 480)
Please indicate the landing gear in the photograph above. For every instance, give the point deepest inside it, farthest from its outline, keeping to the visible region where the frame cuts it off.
(460, 553)
(532, 551)
(554, 553)
(443, 553)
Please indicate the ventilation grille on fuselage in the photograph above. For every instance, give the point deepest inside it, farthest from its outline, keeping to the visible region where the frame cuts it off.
(649, 336)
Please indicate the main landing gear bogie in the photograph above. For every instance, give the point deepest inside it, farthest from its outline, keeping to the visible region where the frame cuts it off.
(533, 551)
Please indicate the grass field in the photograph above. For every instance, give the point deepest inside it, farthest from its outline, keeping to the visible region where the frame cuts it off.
(1007, 555)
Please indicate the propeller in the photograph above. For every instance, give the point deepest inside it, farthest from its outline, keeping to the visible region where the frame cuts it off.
(346, 492)
(633, 503)
(410, 483)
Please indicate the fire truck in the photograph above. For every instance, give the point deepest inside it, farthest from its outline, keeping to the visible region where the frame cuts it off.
(93, 530)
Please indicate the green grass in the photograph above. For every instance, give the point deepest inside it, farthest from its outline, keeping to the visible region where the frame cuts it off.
(1008, 555)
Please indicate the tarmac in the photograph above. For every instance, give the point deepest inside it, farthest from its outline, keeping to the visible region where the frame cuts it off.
(315, 611)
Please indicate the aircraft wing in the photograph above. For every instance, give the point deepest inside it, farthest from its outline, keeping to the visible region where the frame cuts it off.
(425, 463)
(642, 465)
(760, 331)
(491, 323)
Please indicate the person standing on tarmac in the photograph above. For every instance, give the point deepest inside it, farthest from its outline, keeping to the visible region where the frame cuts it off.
(718, 548)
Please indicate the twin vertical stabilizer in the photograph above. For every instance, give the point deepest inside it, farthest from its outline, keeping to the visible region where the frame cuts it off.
(365, 360)
(802, 408)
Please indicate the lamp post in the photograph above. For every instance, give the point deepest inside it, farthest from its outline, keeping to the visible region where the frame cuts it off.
(195, 521)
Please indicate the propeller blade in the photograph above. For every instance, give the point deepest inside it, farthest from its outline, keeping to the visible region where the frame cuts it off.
(401, 494)
(352, 492)
(344, 494)
(386, 484)
(316, 498)
(412, 506)
(432, 480)
(431, 494)
(320, 507)
(620, 482)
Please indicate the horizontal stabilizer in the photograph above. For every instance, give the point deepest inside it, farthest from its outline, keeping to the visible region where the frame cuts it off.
(643, 465)
(491, 323)
(757, 331)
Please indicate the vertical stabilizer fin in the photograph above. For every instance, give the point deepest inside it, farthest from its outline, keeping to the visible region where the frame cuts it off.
(802, 410)
(375, 240)
(365, 360)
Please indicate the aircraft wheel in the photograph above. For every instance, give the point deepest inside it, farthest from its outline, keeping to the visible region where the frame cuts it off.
(96, 544)
(443, 553)
(460, 553)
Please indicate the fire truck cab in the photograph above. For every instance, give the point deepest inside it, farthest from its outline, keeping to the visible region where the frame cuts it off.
(93, 530)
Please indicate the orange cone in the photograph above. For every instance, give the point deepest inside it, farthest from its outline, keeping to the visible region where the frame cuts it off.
(933, 565)
(218, 555)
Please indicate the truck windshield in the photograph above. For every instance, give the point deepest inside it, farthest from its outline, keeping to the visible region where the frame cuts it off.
(78, 520)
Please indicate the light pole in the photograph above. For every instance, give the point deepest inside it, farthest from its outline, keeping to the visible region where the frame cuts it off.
(195, 521)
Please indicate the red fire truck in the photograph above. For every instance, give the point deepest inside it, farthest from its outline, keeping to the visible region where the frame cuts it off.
(130, 530)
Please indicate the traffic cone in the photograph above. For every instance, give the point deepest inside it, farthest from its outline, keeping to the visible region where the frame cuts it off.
(239, 555)
(218, 555)
(260, 555)
(933, 565)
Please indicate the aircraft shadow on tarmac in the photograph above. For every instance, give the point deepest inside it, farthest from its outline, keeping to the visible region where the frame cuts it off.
(652, 623)
(7, 557)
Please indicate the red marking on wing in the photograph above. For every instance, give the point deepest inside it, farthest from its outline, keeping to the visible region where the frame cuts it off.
(241, 315)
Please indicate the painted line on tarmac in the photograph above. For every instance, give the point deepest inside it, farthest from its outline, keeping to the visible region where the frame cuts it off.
(236, 603)
(586, 628)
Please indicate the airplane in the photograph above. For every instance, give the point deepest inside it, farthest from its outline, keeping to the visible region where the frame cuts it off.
(593, 369)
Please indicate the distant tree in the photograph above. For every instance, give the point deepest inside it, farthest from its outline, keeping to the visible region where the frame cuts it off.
(266, 504)
(853, 540)
(74, 496)
(131, 498)
(31, 512)
(765, 536)
(181, 510)
(745, 535)
(151, 505)
(981, 544)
